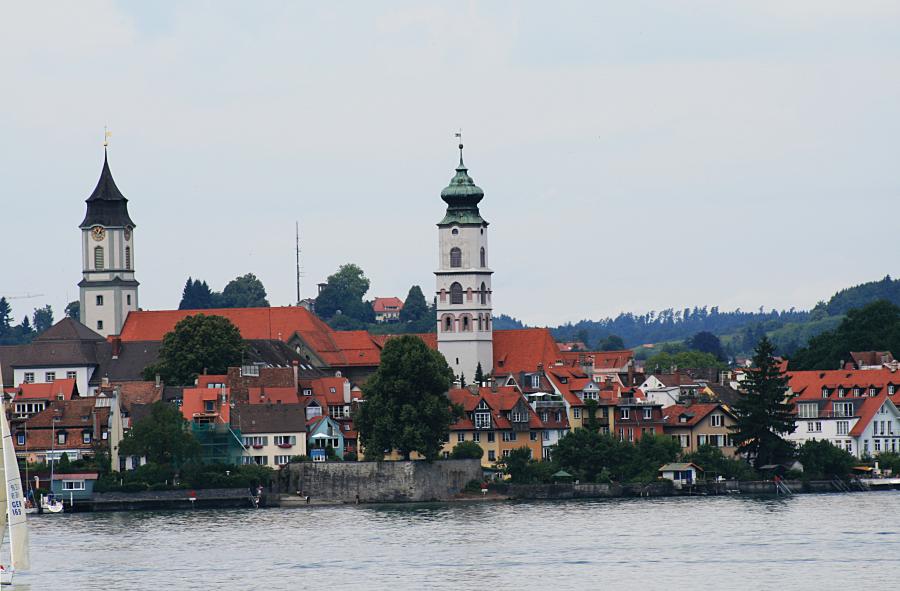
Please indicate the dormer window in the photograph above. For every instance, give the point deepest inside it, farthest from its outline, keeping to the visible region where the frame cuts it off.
(841, 393)
(890, 389)
(307, 392)
(856, 391)
(872, 391)
(535, 380)
(824, 392)
(61, 437)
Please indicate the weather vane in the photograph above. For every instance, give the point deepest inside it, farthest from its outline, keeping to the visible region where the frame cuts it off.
(106, 135)
(459, 135)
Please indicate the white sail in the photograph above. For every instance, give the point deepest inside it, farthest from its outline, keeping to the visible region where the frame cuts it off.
(15, 499)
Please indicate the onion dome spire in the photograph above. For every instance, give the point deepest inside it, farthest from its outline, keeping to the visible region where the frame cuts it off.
(462, 195)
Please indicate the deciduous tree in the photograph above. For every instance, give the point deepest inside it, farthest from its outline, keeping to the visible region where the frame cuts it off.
(197, 343)
(162, 437)
(406, 407)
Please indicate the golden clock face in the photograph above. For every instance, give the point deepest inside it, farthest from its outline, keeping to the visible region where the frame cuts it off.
(98, 233)
(128, 233)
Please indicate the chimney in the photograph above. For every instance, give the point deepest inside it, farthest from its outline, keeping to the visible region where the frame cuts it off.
(116, 342)
(631, 372)
(296, 367)
(105, 381)
(158, 381)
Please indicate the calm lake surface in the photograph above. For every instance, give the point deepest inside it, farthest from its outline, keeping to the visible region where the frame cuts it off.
(839, 541)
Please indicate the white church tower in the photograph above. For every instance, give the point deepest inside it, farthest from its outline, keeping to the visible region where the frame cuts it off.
(464, 325)
(108, 289)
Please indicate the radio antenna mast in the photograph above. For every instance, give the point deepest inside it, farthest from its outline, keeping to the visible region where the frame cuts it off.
(297, 231)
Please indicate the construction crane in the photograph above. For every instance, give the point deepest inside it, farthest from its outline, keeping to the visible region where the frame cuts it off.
(27, 296)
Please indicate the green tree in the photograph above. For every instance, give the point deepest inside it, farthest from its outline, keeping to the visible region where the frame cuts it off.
(43, 319)
(612, 343)
(714, 463)
(520, 466)
(415, 307)
(198, 343)
(821, 459)
(585, 453)
(666, 362)
(73, 310)
(5, 317)
(343, 291)
(244, 292)
(406, 407)
(875, 327)
(465, 450)
(764, 411)
(706, 342)
(479, 375)
(162, 437)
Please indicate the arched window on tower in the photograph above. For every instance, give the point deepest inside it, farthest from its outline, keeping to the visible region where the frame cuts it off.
(447, 322)
(455, 257)
(483, 258)
(456, 293)
(483, 295)
(98, 258)
(466, 323)
(128, 257)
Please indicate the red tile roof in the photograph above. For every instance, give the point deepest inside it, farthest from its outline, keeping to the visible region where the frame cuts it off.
(867, 411)
(524, 349)
(273, 395)
(254, 323)
(49, 391)
(381, 305)
(500, 402)
(809, 384)
(693, 413)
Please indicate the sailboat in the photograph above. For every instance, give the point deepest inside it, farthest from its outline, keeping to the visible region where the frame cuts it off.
(13, 500)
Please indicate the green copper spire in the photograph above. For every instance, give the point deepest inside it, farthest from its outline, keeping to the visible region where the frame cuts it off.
(462, 196)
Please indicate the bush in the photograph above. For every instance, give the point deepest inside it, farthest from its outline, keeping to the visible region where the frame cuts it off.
(350, 456)
(473, 486)
(821, 459)
(298, 459)
(161, 486)
(714, 463)
(132, 487)
(467, 450)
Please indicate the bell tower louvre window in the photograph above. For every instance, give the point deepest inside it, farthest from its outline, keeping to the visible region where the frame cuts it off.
(456, 293)
(455, 257)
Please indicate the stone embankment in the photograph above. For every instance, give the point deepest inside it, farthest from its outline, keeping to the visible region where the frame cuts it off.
(375, 482)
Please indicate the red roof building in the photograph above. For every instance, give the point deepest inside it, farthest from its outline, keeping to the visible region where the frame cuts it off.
(387, 309)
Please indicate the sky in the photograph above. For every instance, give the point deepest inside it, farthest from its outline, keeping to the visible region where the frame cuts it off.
(634, 155)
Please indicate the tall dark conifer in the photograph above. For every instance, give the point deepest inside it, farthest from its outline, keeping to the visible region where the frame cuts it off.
(764, 412)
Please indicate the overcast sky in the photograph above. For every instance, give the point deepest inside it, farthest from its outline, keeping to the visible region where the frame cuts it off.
(634, 155)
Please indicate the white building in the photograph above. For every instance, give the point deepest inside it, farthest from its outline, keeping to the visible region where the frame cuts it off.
(864, 426)
(108, 290)
(463, 278)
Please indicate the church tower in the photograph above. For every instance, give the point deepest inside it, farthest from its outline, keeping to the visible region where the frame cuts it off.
(108, 289)
(464, 325)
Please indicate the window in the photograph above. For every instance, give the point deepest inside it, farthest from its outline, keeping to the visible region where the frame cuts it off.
(128, 299)
(128, 257)
(209, 405)
(872, 391)
(625, 414)
(533, 435)
(99, 300)
(285, 439)
(576, 412)
(455, 257)
(71, 375)
(877, 445)
(841, 393)
(505, 453)
(808, 411)
(519, 416)
(476, 436)
(99, 325)
(20, 438)
(483, 295)
(98, 258)
(491, 437)
(456, 293)
(813, 427)
(492, 455)
(535, 380)
(29, 377)
(454, 231)
(717, 420)
(282, 460)
(466, 325)
(448, 323)
(460, 437)
(73, 485)
(684, 440)
(482, 420)
(509, 436)
(61, 437)
(890, 389)
(843, 427)
(337, 412)
(50, 376)
(483, 258)
(648, 413)
(702, 439)
(843, 409)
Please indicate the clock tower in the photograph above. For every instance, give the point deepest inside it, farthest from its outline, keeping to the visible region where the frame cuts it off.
(464, 323)
(108, 289)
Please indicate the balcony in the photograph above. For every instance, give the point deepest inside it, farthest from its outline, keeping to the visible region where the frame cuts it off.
(547, 404)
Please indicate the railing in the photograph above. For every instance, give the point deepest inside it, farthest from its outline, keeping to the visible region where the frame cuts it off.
(548, 404)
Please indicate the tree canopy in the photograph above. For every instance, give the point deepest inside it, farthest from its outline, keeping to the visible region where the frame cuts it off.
(73, 310)
(665, 362)
(875, 327)
(197, 343)
(245, 291)
(706, 342)
(821, 459)
(161, 437)
(43, 319)
(415, 307)
(343, 292)
(597, 457)
(406, 407)
(612, 343)
(763, 412)
(465, 450)
(196, 296)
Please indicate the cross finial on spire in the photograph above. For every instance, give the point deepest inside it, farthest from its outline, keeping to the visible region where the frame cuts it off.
(106, 135)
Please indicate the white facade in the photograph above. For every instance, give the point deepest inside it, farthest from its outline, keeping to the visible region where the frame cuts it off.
(41, 375)
(272, 449)
(882, 433)
(108, 290)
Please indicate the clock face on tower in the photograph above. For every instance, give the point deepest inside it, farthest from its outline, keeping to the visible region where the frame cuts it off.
(98, 233)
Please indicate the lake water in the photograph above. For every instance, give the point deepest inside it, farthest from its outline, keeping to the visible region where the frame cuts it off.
(838, 541)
